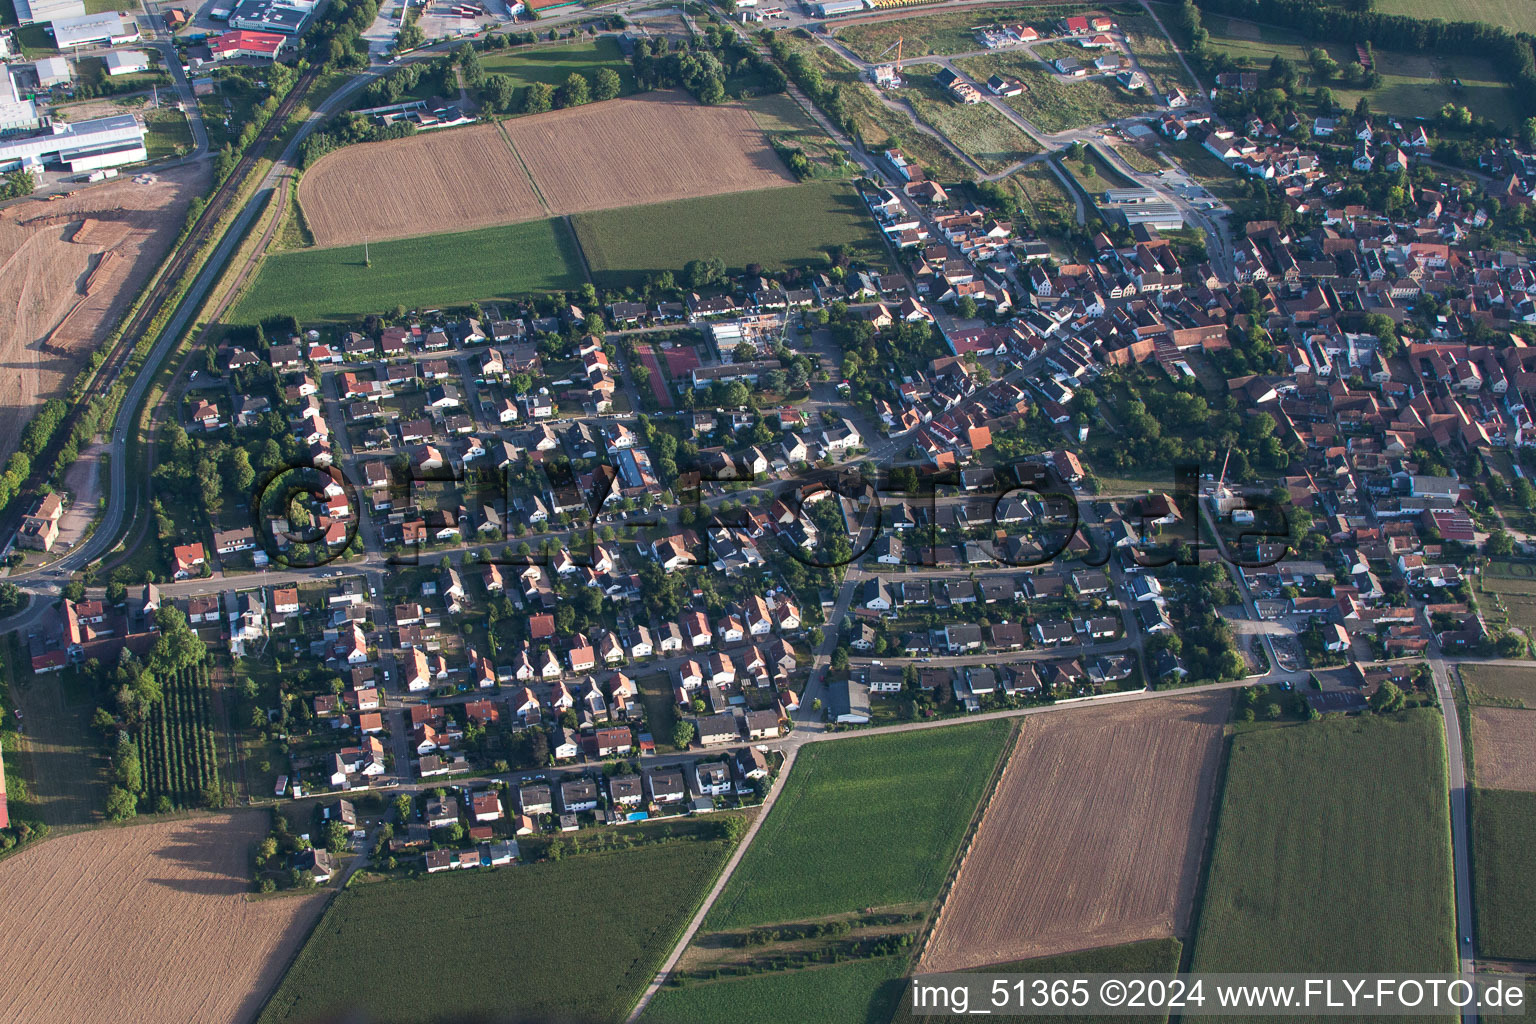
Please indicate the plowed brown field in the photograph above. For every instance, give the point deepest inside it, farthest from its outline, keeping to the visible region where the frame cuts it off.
(439, 181)
(644, 149)
(67, 270)
(1503, 740)
(143, 924)
(1092, 838)
(641, 149)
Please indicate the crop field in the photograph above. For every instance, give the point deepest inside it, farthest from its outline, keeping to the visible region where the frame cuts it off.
(1072, 856)
(149, 923)
(552, 65)
(178, 755)
(776, 228)
(1154, 956)
(644, 149)
(950, 32)
(980, 130)
(1332, 850)
(434, 270)
(503, 944)
(856, 992)
(1500, 685)
(640, 149)
(1504, 740)
(902, 801)
(429, 183)
(1051, 104)
(1503, 864)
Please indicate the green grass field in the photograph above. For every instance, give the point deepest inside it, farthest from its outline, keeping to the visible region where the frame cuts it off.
(776, 227)
(856, 992)
(1051, 103)
(434, 270)
(1332, 851)
(575, 939)
(979, 130)
(1503, 864)
(1043, 197)
(552, 65)
(899, 802)
(1500, 685)
(167, 134)
(785, 122)
(1515, 15)
(1155, 956)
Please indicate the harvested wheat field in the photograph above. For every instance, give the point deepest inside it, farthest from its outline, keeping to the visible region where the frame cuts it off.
(1503, 742)
(440, 181)
(641, 149)
(67, 270)
(144, 924)
(1092, 838)
(644, 149)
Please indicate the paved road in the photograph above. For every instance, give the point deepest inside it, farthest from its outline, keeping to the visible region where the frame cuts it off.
(1460, 844)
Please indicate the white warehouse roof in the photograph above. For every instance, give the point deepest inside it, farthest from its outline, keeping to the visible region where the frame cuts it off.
(92, 28)
(29, 11)
(82, 136)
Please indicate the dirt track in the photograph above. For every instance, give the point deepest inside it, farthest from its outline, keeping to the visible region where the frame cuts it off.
(67, 269)
(145, 924)
(1092, 838)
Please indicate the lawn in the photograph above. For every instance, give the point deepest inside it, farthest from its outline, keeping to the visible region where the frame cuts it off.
(433, 270)
(1332, 850)
(856, 992)
(167, 134)
(1503, 864)
(980, 130)
(1095, 173)
(945, 33)
(1051, 103)
(898, 802)
(552, 65)
(1500, 685)
(1154, 956)
(558, 940)
(776, 227)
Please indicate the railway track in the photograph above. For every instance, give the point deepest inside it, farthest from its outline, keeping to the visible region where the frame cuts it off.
(162, 288)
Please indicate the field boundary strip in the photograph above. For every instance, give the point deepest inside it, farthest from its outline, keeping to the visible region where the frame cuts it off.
(978, 818)
(501, 129)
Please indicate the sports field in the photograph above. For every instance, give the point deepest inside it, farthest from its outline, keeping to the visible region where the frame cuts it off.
(434, 270)
(1503, 864)
(868, 822)
(776, 228)
(575, 939)
(1332, 850)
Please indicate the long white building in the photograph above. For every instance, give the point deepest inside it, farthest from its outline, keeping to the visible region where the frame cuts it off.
(29, 11)
(90, 29)
(82, 146)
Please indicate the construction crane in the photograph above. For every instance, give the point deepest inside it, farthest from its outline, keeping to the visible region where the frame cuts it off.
(888, 76)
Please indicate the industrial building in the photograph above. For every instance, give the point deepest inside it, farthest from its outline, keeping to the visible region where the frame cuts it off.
(240, 43)
(828, 8)
(52, 71)
(30, 11)
(1134, 206)
(126, 62)
(270, 16)
(81, 146)
(91, 29)
(16, 114)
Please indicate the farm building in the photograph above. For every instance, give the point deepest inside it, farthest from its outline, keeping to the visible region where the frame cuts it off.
(107, 27)
(126, 62)
(81, 146)
(241, 43)
(29, 11)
